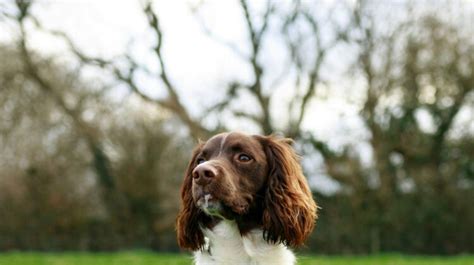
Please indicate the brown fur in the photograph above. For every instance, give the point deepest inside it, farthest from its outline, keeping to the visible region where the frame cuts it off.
(187, 225)
(290, 211)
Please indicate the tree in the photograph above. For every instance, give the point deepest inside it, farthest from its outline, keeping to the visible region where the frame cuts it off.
(417, 73)
(39, 90)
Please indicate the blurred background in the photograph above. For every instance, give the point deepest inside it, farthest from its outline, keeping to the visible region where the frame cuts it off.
(101, 103)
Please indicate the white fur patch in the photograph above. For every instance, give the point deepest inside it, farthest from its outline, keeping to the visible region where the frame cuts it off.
(225, 246)
(206, 200)
(222, 143)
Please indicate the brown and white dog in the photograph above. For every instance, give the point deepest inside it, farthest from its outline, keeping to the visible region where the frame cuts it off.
(244, 200)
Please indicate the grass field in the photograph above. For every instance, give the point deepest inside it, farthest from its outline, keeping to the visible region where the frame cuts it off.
(149, 258)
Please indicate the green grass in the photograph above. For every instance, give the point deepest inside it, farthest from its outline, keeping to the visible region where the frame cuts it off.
(149, 258)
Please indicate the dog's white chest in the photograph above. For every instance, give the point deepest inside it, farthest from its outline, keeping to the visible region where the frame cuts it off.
(225, 246)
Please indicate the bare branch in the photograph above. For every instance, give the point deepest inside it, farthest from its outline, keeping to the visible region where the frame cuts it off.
(220, 40)
(313, 75)
(101, 162)
(172, 102)
(249, 116)
(256, 88)
(232, 89)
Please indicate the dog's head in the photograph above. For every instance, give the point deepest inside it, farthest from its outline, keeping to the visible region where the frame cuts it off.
(255, 180)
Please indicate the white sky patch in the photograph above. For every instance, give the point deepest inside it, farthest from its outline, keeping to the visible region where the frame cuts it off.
(200, 67)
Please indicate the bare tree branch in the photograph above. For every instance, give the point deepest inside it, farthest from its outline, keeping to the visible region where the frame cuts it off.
(252, 117)
(172, 102)
(101, 162)
(256, 39)
(219, 39)
(313, 74)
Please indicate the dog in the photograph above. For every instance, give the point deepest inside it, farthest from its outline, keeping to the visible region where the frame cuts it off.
(245, 200)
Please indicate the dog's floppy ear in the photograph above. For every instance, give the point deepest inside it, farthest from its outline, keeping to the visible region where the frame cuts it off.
(290, 212)
(189, 233)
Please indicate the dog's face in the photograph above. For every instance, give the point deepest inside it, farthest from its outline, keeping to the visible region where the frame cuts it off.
(254, 180)
(228, 174)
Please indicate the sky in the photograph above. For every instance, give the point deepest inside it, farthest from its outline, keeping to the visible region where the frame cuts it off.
(198, 65)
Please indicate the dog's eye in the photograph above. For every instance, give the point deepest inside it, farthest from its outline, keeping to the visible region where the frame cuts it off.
(244, 158)
(200, 160)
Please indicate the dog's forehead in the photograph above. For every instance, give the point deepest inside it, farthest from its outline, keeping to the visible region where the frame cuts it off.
(223, 140)
(216, 141)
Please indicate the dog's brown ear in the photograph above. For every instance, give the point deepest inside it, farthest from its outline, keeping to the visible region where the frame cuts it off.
(290, 211)
(189, 233)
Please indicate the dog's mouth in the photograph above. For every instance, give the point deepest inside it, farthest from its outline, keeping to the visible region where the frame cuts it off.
(208, 203)
(216, 208)
(212, 206)
(216, 205)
